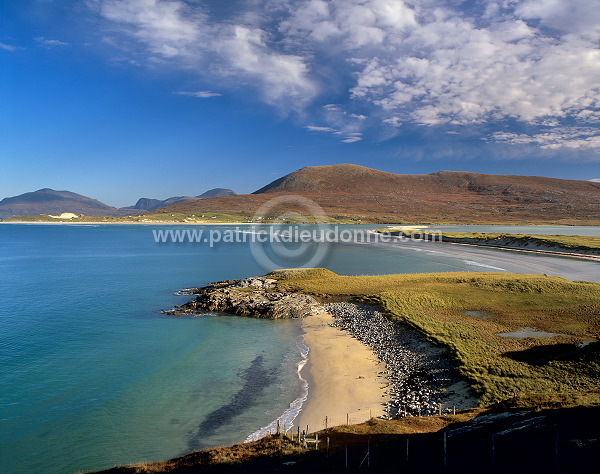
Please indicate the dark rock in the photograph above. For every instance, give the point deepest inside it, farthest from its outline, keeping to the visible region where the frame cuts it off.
(249, 297)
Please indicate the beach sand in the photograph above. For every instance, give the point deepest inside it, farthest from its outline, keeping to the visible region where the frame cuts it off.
(343, 377)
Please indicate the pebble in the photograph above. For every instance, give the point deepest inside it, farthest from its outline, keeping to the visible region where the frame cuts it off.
(417, 372)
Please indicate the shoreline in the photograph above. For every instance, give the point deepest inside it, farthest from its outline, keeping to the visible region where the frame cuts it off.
(557, 252)
(344, 377)
(89, 223)
(374, 223)
(361, 365)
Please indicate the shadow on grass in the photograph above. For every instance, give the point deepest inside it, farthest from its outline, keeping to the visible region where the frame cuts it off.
(541, 355)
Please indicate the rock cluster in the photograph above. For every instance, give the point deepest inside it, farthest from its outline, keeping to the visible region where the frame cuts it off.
(248, 297)
(419, 374)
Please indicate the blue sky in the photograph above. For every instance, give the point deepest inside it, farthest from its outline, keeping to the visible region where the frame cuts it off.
(121, 99)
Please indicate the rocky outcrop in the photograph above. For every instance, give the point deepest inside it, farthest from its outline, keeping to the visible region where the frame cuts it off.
(255, 297)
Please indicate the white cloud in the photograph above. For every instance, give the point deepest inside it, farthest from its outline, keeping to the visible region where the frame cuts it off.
(595, 180)
(7, 47)
(356, 23)
(570, 16)
(353, 138)
(279, 75)
(199, 94)
(430, 64)
(452, 71)
(393, 62)
(393, 121)
(314, 128)
(50, 43)
(174, 30)
(168, 29)
(559, 137)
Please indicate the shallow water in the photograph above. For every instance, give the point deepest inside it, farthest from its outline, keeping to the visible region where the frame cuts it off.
(94, 375)
(522, 333)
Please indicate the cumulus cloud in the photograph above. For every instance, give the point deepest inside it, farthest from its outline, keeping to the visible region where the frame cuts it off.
(559, 137)
(392, 62)
(568, 16)
(451, 69)
(431, 63)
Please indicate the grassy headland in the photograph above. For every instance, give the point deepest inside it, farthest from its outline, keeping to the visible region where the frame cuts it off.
(465, 312)
(558, 376)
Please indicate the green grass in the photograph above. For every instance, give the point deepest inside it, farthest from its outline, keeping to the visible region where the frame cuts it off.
(498, 368)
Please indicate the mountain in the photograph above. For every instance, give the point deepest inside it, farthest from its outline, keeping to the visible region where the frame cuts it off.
(49, 201)
(365, 194)
(148, 204)
(217, 192)
(356, 193)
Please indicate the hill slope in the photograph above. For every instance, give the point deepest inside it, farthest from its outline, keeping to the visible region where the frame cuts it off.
(49, 201)
(365, 194)
(148, 204)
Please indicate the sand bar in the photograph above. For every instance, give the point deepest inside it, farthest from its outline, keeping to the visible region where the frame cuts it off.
(342, 373)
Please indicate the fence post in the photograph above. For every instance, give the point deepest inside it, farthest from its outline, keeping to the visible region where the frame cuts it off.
(445, 446)
(325, 422)
(347, 418)
(556, 449)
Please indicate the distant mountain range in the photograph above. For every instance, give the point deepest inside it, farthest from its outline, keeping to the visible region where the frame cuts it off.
(360, 194)
(49, 201)
(365, 194)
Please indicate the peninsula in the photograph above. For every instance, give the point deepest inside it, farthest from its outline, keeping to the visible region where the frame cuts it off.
(525, 346)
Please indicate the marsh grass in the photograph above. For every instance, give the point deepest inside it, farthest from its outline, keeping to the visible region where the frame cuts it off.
(499, 368)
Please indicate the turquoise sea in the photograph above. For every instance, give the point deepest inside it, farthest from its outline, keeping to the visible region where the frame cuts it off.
(93, 375)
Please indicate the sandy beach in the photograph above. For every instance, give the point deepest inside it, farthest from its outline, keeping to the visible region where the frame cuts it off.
(342, 373)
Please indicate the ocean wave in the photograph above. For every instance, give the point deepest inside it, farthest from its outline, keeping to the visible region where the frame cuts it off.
(289, 415)
(477, 264)
(185, 291)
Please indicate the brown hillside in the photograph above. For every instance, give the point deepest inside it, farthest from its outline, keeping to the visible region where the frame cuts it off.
(365, 194)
